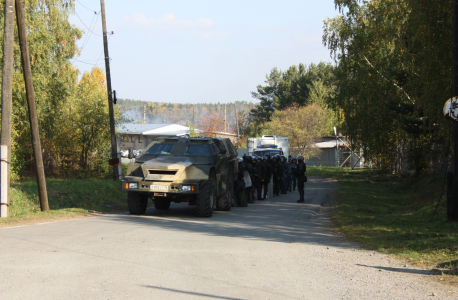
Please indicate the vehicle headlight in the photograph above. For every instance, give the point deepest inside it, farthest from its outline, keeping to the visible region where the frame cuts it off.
(186, 188)
(133, 185)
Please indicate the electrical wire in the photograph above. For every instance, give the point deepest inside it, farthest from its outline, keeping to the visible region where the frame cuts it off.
(92, 26)
(86, 25)
(83, 62)
(85, 6)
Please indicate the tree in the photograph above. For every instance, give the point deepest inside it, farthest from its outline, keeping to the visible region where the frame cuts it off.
(52, 43)
(211, 125)
(302, 124)
(393, 76)
(91, 117)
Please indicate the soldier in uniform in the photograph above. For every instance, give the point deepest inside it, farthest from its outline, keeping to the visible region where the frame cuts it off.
(284, 181)
(267, 176)
(249, 167)
(277, 173)
(299, 171)
(260, 173)
(240, 185)
(293, 176)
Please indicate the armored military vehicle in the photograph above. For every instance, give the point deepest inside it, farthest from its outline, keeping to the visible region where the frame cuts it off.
(200, 171)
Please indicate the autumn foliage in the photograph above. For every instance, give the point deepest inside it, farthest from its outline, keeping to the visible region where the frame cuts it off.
(211, 124)
(302, 124)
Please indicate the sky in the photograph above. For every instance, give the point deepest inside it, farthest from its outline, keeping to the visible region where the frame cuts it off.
(200, 51)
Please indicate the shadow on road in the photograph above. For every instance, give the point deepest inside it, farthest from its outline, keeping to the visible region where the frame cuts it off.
(401, 270)
(279, 219)
(189, 293)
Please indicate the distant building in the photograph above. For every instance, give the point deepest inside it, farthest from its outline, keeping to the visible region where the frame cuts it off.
(330, 157)
(138, 136)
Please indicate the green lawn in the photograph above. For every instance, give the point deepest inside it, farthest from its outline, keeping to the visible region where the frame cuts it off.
(391, 214)
(66, 197)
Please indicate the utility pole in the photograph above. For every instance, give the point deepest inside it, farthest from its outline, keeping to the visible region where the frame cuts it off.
(114, 146)
(225, 118)
(237, 122)
(144, 114)
(7, 103)
(452, 178)
(33, 118)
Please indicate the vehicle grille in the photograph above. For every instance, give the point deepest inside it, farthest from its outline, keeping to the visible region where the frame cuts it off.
(162, 172)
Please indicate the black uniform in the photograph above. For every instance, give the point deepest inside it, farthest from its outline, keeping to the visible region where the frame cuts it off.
(277, 173)
(268, 175)
(299, 171)
(260, 173)
(240, 188)
(250, 169)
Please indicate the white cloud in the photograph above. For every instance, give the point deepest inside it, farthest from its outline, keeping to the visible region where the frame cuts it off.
(167, 22)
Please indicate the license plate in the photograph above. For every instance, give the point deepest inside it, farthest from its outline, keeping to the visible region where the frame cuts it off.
(159, 187)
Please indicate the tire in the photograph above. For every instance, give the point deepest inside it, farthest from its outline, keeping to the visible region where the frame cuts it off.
(224, 202)
(205, 200)
(137, 203)
(161, 203)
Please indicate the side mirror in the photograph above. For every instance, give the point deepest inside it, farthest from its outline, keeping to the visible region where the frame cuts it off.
(131, 153)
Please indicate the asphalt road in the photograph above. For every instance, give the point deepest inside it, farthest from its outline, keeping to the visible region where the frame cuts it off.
(274, 249)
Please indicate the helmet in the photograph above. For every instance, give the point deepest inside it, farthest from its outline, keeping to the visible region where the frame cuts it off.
(264, 158)
(300, 157)
(267, 155)
(240, 160)
(248, 158)
(258, 158)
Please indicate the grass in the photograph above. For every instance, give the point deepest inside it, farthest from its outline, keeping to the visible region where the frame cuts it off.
(391, 214)
(66, 198)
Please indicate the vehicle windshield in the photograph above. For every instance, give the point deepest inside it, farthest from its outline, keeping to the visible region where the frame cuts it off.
(200, 150)
(160, 149)
(267, 152)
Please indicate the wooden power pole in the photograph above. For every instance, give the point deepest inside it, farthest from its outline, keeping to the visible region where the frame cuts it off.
(452, 178)
(114, 146)
(33, 118)
(7, 95)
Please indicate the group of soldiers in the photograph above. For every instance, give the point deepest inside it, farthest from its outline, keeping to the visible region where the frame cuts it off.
(285, 173)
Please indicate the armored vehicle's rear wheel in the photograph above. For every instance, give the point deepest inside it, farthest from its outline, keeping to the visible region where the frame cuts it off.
(224, 202)
(160, 203)
(205, 200)
(137, 203)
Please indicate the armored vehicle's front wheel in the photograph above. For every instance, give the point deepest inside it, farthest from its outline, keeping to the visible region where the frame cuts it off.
(137, 203)
(205, 200)
(161, 203)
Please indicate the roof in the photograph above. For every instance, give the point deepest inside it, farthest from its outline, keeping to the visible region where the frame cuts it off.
(324, 145)
(138, 128)
(168, 129)
(153, 129)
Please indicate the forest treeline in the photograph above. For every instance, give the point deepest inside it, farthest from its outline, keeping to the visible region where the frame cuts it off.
(138, 111)
(385, 91)
(391, 77)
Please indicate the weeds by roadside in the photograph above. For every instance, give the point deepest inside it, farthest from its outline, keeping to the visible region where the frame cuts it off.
(66, 197)
(390, 214)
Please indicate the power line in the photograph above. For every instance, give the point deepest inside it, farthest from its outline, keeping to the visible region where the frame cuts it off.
(92, 28)
(85, 6)
(85, 62)
(86, 25)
